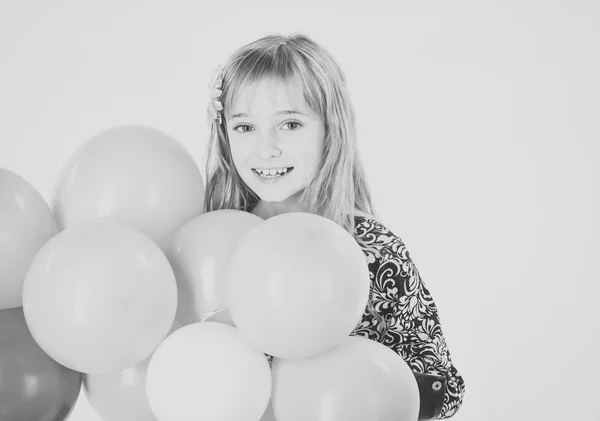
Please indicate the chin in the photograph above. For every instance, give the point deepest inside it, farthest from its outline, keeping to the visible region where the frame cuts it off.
(272, 195)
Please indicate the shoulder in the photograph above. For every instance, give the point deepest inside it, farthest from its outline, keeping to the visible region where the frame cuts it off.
(378, 242)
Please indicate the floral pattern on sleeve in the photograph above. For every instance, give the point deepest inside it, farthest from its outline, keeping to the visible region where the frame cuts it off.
(401, 313)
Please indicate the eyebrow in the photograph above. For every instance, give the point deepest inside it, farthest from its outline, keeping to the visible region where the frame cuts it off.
(282, 112)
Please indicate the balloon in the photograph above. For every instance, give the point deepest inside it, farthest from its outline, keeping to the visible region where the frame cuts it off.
(121, 395)
(134, 175)
(199, 253)
(297, 285)
(26, 223)
(99, 297)
(32, 385)
(223, 316)
(206, 371)
(358, 380)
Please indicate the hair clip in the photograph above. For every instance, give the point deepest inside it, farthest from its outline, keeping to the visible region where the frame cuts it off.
(215, 107)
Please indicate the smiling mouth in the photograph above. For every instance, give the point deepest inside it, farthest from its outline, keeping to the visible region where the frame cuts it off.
(272, 173)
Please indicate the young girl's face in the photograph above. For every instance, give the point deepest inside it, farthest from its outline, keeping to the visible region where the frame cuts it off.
(276, 139)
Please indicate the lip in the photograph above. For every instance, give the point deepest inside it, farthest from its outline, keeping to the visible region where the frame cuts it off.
(273, 168)
(271, 180)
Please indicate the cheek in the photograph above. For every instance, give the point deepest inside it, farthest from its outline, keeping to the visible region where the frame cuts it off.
(312, 156)
(239, 153)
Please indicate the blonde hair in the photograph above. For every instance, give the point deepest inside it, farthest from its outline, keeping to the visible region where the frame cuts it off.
(339, 190)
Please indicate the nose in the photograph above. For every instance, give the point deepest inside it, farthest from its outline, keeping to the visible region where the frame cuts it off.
(268, 146)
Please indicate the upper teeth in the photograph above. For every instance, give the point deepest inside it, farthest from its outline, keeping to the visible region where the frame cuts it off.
(273, 171)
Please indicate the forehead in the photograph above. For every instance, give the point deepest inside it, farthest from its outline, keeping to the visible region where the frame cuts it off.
(269, 95)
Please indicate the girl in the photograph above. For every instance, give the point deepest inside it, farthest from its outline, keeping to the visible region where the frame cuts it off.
(283, 139)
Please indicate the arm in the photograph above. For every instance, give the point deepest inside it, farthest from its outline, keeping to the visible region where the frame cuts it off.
(432, 390)
(401, 314)
(414, 331)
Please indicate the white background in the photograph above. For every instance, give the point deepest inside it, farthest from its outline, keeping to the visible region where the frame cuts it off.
(478, 124)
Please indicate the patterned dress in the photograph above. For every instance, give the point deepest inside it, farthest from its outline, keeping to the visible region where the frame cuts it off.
(401, 313)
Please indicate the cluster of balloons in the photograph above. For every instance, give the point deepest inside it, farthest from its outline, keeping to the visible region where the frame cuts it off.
(166, 313)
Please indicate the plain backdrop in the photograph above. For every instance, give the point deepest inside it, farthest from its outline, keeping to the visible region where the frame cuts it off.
(478, 127)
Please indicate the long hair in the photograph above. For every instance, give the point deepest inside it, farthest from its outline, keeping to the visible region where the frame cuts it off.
(339, 189)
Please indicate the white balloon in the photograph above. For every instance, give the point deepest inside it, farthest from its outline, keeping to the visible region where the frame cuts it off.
(199, 253)
(121, 395)
(207, 372)
(297, 285)
(358, 380)
(134, 175)
(99, 297)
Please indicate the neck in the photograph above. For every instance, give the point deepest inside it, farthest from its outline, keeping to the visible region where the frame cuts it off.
(267, 210)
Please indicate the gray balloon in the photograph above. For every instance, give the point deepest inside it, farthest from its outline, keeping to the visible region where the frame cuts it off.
(33, 387)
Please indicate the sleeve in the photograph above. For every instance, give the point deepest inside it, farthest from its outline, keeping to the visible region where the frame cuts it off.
(401, 314)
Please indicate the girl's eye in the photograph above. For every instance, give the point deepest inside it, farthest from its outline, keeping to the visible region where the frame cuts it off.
(292, 125)
(245, 128)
